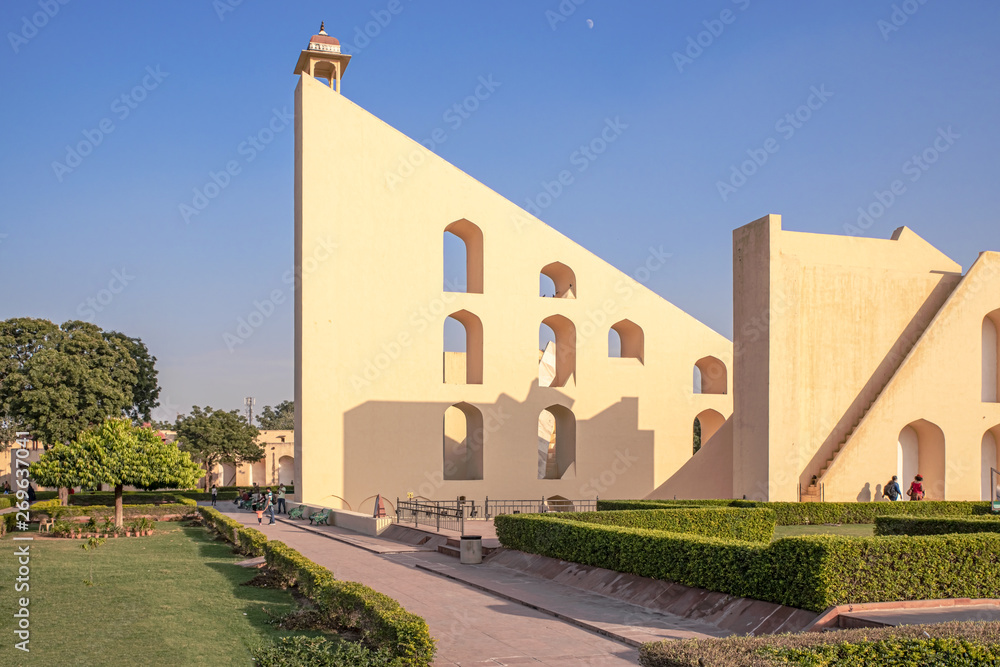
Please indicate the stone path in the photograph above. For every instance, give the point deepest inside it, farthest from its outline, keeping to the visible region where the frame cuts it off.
(472, 627)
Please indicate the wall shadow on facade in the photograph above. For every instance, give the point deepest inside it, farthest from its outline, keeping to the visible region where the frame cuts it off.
(612, 455)
(880, 377)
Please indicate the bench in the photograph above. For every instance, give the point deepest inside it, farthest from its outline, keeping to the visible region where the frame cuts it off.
(296, 513)
(317, 518)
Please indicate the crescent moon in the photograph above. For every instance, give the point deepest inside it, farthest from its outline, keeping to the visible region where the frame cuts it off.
(590, 23)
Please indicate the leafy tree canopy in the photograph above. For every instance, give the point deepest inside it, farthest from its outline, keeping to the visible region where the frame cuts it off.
(120, 454)
(281, 417)
(58, 381)
(216, 436)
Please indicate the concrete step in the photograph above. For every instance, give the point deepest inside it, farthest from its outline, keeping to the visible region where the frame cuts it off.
(453, 547)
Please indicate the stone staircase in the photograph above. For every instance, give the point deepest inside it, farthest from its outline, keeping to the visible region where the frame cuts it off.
(813, 493)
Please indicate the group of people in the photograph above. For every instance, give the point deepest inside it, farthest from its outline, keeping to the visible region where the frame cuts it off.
(259, 500)
(892, 491)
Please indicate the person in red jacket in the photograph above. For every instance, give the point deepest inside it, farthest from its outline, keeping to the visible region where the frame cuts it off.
(916, 491)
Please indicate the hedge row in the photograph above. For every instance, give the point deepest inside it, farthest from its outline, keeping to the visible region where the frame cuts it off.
(810, 572)
(918, 525)
(247, 541)
(56, 511)
(135, 498)
(794, 514)
(6, 501)
(942, 644)
(749, 525)
(381, 620)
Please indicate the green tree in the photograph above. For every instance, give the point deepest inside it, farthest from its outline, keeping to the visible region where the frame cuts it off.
(145, 388)
(697, 435)
(20, 338)
(281, 417)
(216, 436)
(120, 454)
(76, 380)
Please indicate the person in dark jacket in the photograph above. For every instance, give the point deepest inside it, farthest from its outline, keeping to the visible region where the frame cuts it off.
(892, 490)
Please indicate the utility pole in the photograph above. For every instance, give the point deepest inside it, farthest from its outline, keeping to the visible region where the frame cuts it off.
(250, 401)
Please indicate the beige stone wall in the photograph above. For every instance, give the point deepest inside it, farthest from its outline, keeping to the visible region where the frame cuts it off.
(371, 210)
(277, 465)
(822, 326)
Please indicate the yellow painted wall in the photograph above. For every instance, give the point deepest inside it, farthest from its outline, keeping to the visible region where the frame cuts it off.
(822, 323)
(369, 332)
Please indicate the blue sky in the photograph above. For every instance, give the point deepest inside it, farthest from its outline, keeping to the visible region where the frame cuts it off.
(697, 89)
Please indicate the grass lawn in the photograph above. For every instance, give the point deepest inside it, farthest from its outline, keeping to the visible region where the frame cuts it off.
(851, 530)
(173, 598)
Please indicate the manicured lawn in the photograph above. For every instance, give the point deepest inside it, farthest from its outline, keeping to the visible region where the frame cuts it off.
(169, 599)
(851, 530)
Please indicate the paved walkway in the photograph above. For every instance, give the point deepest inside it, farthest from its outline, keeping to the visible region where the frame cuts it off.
(472, 627)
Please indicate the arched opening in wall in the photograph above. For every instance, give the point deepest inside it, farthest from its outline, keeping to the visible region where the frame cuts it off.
(990, 486)
(557, 280)
(228, 475)
(991, 357)
(705, 425)
(710, 376)
(557, 347)
(463, 442)
(559, 504)
(258, 474)
(631, 341)
(556, 443)
(463, 348)
(920, 449)
(463, 257)
(286, 470)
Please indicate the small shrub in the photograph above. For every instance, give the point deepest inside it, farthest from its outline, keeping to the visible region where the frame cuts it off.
(320, 652)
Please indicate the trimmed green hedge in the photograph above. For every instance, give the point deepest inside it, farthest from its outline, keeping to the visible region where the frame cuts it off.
(810, 572)
(7, 501)
(749, 525)
(382, 621)
(919, 525)
(128, 511)
(953, 644)
(794, 514)
(135, 498)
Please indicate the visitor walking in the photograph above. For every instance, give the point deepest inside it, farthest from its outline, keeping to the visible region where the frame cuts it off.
(916, 491)
(281, 500)
(259, 510)
(215, 494)
(269, 506)
(892, 490)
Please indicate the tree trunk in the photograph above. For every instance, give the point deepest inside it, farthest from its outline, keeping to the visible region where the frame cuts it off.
(208, 475)
(119, 518)
(63, 496)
